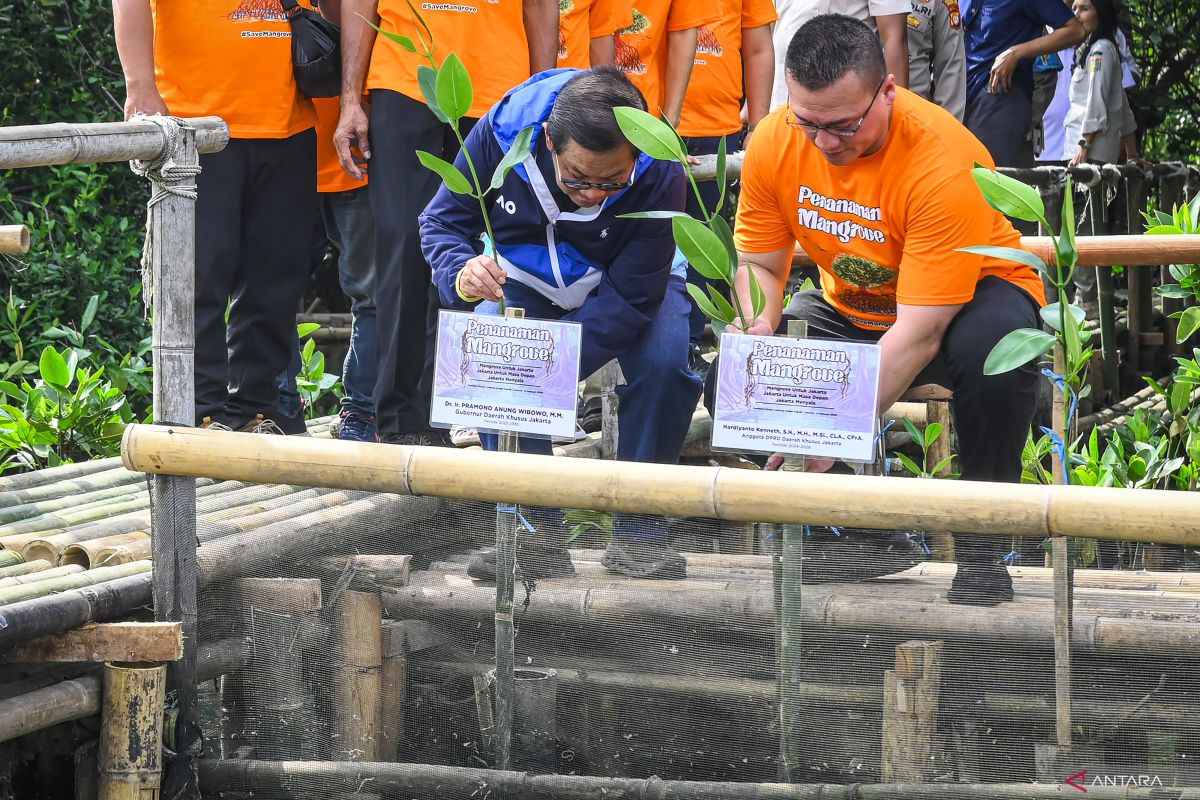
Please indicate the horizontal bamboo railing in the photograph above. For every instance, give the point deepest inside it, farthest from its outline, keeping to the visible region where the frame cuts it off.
(716, 493)
(98, 142)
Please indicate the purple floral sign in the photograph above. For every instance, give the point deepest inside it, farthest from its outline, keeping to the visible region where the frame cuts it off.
(813, 397)
(503, 373)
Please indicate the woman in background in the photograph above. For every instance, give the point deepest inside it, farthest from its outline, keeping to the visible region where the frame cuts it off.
(1099, 115)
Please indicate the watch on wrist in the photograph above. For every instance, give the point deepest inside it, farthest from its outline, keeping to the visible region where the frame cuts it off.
(1084, 144)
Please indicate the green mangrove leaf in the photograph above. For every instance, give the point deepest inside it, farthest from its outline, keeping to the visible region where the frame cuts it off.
(1009, 196)
(1189, 323)
(649, 134)
(701, 247)
(932, 431)
(1164, 230)
(1049, 314)
(705, 305)
(722, 305)
(722, 157)
(306, 328)
(1064, 243)
(455, 180)
(427, 82)
(453, 88)
(1016, 349)
(514, 156)
(720, 227)
(1009, 254)
(758, 299)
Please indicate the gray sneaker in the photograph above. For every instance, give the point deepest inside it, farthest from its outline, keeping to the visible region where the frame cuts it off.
(644, 560)
(535, 562)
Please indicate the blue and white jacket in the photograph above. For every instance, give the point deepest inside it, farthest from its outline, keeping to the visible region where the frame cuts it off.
(608, 274)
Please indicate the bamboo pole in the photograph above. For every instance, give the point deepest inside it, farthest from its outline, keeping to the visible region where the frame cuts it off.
(76, 547)
(24, 568)
(41, 616)
(719, 493)
(30, 511)
(122, 553)
(87, 554)
(15, 594)
(98, 142)
(52, 476)
(37, 577)
(44, 708)
(10, 559)
(131, 731)
(359, 648)
(14, 239)
(433, 782)
(910, 713)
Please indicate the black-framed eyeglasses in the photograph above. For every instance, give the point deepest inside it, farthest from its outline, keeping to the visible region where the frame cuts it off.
(839, 131)
(572, 183)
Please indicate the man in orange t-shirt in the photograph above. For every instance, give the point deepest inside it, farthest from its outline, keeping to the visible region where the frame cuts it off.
(874, 183)
(585, 31)
(735, 61)
(501, 42)
(658, 49)
(256, 198)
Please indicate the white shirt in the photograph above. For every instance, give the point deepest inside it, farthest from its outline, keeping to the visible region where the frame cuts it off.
(794, 13)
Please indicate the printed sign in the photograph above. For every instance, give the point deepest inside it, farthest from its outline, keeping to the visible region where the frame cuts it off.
(813, 397)
(506, 374)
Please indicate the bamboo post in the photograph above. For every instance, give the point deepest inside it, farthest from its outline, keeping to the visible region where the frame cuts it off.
(14, 239)
(1060, 551)
(172, 257)
(790, 596)
(358, 621)
(910, 713)
(609, 429)
(131, 731)
(393, 692)
(506, 565)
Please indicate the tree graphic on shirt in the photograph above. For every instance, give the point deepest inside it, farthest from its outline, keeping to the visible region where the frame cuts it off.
(257, 11)
(706, 42)
(627, 57)
(869, 277)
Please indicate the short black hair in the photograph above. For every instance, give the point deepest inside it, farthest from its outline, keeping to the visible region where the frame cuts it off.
(583, 110)
(830, 46)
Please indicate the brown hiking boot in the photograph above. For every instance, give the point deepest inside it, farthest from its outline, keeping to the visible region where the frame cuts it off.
(262, 425)
(210, 424)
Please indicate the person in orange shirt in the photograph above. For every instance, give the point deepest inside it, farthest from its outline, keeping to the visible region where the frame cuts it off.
(874, 183)
(585, 31)
(735, 61)
(658, 49)
(233, 60)
(502, 43)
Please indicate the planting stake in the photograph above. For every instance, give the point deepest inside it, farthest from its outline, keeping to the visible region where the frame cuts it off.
(506, 558)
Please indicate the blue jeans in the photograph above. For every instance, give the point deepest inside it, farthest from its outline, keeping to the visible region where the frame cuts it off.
(350, 226)
(656, 402)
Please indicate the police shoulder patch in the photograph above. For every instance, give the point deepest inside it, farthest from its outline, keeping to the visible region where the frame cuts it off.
(1095, 62)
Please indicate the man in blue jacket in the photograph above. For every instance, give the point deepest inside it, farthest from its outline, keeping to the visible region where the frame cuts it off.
(566, 253)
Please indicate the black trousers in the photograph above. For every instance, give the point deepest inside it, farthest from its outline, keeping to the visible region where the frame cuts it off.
(406, 300)
(255, 210)
(992, 413)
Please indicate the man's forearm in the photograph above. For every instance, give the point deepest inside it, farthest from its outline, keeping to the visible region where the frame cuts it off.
(758, 56)
(358, 38)
(133, 29)
(893, 33)
(541, 29)
(681, 57)
(602, 51)
(771, 270)
(1068, 35)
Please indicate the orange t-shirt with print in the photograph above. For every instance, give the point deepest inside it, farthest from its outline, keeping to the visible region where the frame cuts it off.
(231, 59)
(330, 175)
(885, 228)
(642, 46)
(713, 104)
(580, 21)
(488, 36)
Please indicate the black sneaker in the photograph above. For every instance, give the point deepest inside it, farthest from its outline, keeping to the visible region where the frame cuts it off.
(352, 426)
(535, 562)
(846, 555)
(981, 585)
(426, 438)
(644, 560)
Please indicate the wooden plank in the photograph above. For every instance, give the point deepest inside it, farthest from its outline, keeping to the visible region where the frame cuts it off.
(910, 713)
(401, 637)
(277, 594)
(109, 641)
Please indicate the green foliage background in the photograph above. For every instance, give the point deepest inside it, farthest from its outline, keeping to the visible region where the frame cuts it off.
(61, 66)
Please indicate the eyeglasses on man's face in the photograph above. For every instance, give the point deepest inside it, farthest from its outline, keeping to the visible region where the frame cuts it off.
(578, 185)
(840, 131)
